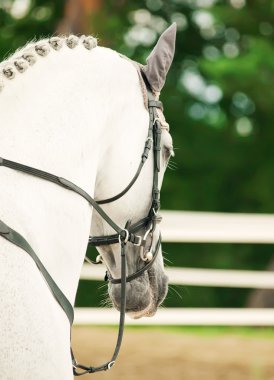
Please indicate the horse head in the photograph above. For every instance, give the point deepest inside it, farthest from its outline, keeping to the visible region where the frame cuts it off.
(138, 205)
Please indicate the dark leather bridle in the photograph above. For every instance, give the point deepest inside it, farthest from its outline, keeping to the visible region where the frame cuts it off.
(123, 236)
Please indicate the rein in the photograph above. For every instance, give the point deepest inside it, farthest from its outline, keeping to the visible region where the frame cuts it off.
(123, 236)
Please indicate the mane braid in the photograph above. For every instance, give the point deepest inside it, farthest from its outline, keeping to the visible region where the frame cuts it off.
(27, 56)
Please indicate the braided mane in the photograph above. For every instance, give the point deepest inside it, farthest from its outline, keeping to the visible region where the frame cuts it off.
(27, 56)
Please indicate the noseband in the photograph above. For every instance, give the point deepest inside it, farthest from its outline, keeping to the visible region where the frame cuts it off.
(123, 236)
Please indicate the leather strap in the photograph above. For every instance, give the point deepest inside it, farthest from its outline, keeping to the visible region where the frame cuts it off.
(85, 369)
(113, 239)
(17, 239)
(155, 103)
(64, 183)
(138, 272)
(144, 157)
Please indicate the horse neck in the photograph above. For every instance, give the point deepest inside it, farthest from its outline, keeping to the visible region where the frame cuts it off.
(56, 125)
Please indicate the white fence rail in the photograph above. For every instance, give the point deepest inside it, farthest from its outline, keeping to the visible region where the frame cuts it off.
(202, 227)
(211, 227)
(178, 316)
(201, 277)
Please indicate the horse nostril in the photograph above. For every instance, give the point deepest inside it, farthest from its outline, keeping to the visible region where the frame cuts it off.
(137, 296)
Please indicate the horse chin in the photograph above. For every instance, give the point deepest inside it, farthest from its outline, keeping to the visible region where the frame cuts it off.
(150, 311)
(144, 294)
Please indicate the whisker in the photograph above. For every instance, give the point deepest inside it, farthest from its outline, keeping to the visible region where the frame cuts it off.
(167, 260)
(175, 291)
(171, 168)
(104, 285)
(172, 165)
(173, 161)
(106, 303)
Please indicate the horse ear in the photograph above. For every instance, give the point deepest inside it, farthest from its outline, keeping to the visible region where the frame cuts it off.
(160, 59)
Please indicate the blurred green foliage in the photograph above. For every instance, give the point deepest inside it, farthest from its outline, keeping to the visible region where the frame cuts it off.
(218, 100)
(22, 21)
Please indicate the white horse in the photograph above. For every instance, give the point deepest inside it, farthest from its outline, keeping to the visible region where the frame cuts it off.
(76, 110)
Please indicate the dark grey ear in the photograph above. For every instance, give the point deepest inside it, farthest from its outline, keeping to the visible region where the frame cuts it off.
(160, 59)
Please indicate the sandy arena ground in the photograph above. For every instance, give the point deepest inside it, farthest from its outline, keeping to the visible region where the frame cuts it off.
(167, 355)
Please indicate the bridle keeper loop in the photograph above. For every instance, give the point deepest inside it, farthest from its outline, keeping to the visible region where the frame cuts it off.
(122, 239)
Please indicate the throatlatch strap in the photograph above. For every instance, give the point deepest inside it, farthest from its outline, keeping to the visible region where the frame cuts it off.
(17, 239)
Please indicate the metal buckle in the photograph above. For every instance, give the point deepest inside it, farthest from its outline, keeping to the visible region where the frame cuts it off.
(163, 123)
(142, 252)
(148, 256)
(148, 232)
(139, 240)
(126, 238)
(156, 119)
(111, 364)
(157, 217)
(99, 259)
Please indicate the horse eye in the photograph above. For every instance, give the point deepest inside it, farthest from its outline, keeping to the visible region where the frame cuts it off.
(168, 152)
